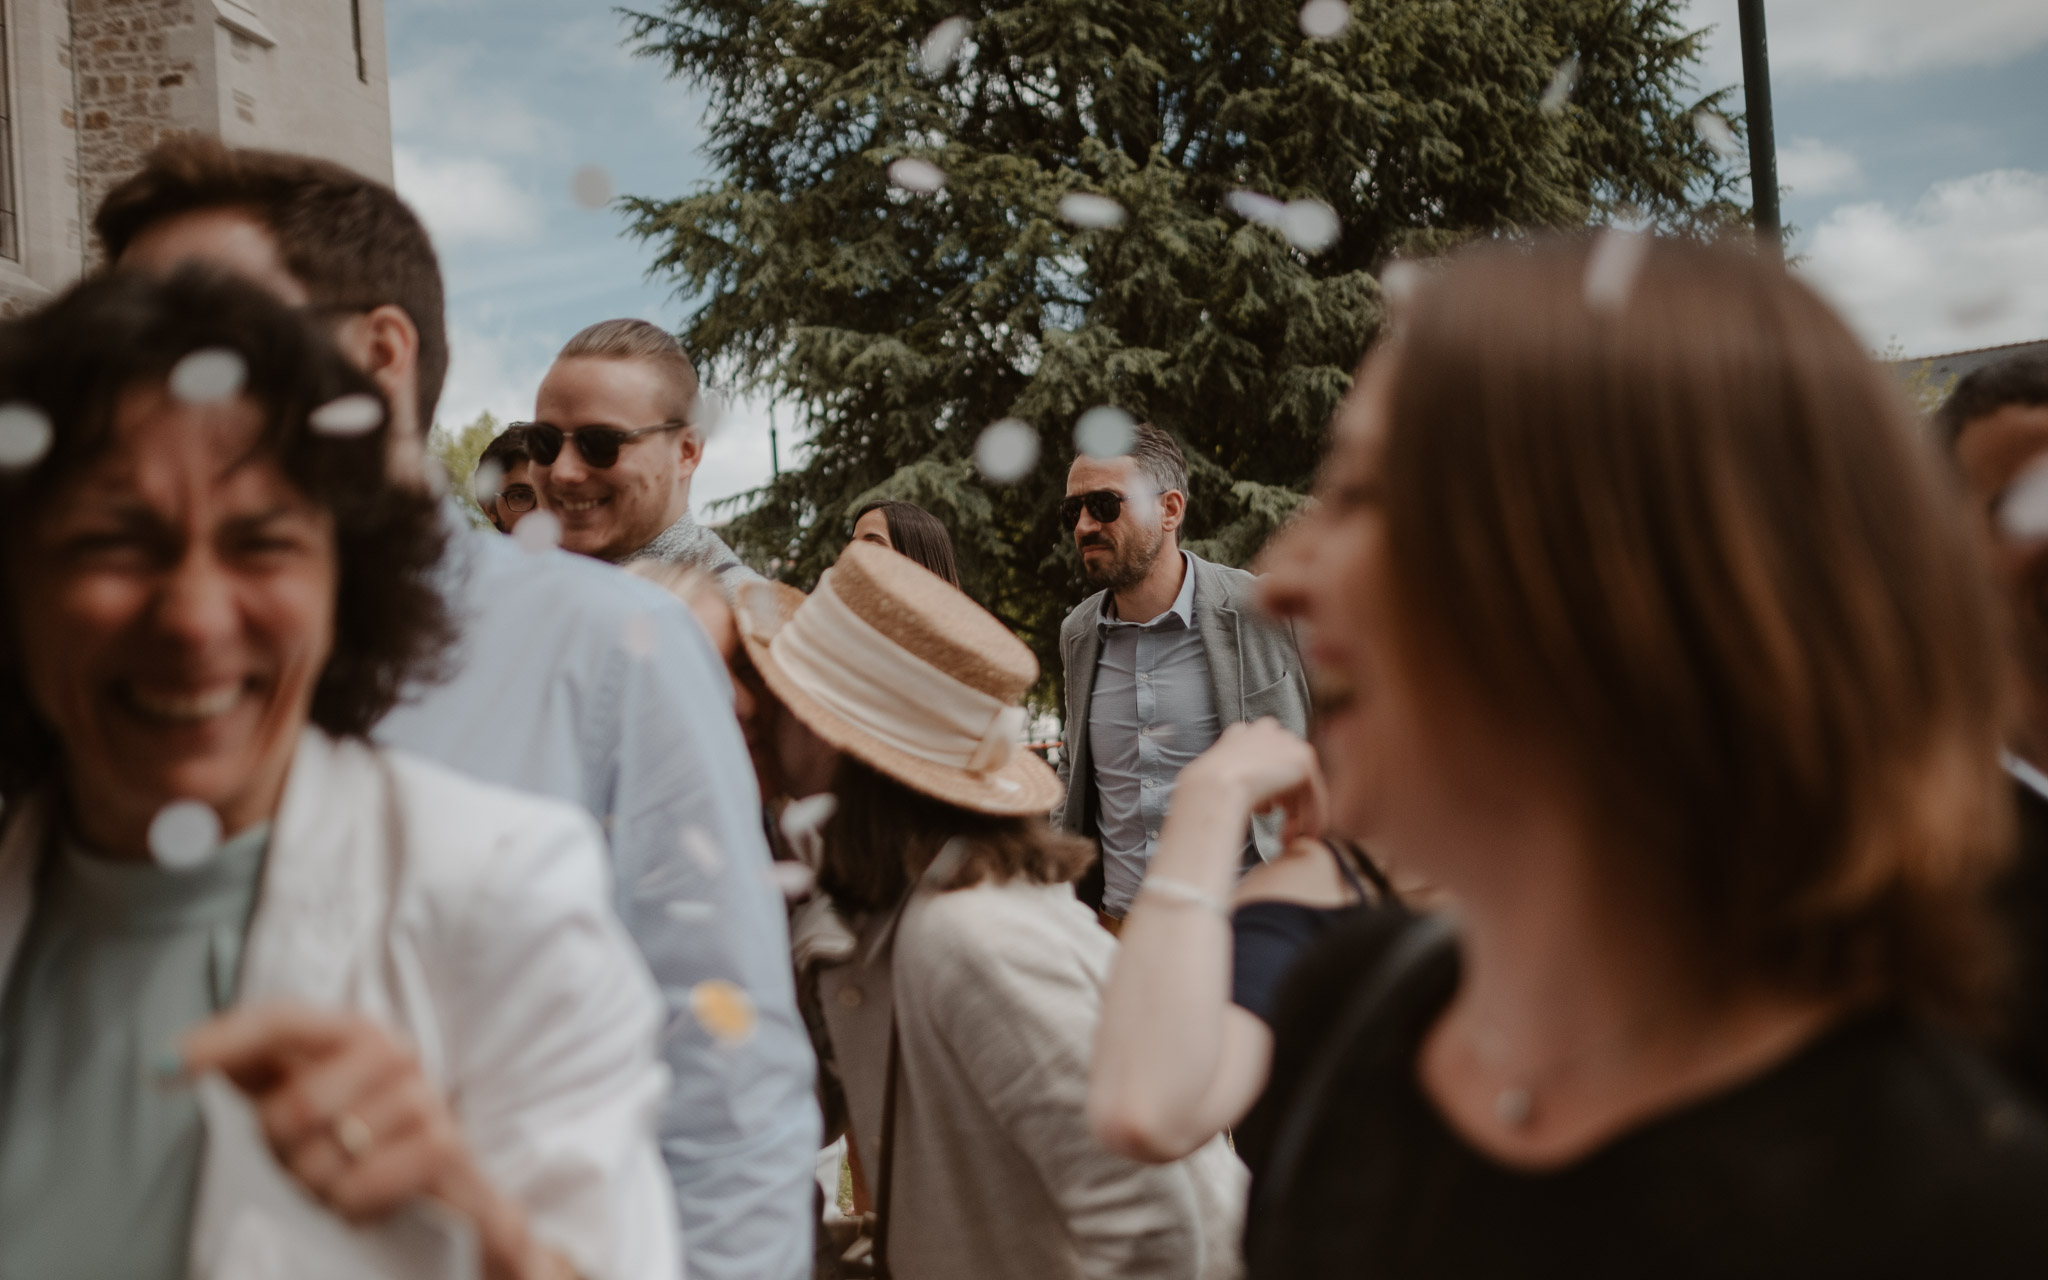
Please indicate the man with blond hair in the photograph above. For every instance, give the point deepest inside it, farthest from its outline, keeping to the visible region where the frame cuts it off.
(616, 436)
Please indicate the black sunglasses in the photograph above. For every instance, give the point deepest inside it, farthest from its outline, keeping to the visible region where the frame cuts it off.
(598, 446)
(1103, 504)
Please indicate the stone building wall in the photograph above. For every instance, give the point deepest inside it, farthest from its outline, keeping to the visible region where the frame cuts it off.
(94, 84)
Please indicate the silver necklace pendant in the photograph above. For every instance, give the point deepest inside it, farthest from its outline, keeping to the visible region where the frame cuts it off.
(1512, 1106)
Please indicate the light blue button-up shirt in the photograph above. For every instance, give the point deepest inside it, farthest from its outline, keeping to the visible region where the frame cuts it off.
(573, 679)
(1153, 710)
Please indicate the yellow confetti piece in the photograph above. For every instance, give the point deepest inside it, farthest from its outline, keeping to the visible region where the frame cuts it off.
(724, 1009)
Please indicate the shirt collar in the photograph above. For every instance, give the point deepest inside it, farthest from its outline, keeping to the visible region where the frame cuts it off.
(1183, 606)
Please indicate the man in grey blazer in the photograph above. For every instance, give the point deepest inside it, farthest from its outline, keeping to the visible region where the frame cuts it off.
(1169, 651)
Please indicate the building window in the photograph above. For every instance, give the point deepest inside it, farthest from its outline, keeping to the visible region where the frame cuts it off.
(355, 17)
(10, 236)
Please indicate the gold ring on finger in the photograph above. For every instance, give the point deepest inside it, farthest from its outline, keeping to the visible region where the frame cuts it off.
(353, 1135)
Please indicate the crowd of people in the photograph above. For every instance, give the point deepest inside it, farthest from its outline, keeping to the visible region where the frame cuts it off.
(1607, 835)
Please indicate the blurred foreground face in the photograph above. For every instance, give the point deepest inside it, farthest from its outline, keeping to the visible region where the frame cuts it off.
(873, 527)
(223, 238)
(1116, 554)
(174, 608)
(1329, 571)
(1995, 452)
(611, 512)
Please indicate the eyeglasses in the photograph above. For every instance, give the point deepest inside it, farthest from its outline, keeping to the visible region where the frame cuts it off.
(1104, 504)
(598, 446)
(519, 498)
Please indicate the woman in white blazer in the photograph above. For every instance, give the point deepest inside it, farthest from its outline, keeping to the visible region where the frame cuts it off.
(275, 1002)
(963, 1012)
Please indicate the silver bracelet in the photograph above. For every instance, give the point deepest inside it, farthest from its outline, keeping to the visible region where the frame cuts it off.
(1171, 890)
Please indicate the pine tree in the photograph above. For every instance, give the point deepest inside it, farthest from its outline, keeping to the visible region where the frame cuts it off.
(901, 324)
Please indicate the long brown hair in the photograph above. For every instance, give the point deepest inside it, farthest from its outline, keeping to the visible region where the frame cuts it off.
(1698, 547)
(884, 835)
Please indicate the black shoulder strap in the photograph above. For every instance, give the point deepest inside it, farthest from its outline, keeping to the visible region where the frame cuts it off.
(1416, 945)
(886, 1175)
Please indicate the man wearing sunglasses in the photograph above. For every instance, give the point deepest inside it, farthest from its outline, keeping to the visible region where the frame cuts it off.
(614, 444)
(1167, 652)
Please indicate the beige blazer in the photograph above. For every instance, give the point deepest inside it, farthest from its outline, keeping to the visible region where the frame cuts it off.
(997, 989)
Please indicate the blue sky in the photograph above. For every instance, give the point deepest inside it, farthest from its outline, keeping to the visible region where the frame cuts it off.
(1911, 134)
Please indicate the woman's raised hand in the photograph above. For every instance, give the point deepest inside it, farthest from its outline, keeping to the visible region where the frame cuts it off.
(1266, 767)
(354, 1120)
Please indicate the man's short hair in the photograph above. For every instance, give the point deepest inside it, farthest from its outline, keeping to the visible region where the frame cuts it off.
(348, 239)
(2015, 380)
(638, 340)
(508, 449)
(1160, 458)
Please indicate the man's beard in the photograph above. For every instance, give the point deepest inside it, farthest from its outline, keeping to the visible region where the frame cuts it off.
(1127, 565)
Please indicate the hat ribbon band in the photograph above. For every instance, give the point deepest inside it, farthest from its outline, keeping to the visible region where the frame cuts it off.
(879, 687)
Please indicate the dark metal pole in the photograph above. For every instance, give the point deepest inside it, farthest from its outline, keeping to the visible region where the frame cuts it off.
(1763, 143)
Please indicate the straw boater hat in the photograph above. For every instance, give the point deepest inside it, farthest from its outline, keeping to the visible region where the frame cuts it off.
(891, 664)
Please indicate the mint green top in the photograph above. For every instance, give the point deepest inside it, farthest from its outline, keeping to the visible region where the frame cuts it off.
(99, 1164)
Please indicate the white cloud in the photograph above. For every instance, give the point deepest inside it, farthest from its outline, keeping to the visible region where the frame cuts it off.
(465, 199)
(1811, 167)
(1851, 39)
(737, 456)
(491, 372)
(1967, 266)
(445, 98)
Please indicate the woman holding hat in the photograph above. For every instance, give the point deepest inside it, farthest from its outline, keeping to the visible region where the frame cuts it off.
(963, 1020)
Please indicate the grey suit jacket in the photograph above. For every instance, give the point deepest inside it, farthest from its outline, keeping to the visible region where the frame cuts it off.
(1254, 670)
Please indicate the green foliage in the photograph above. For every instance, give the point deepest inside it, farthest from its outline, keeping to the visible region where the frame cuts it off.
(457, 449)
(901, 325)
(1923, 390)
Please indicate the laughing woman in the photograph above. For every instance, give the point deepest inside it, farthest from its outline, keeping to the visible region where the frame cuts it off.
(227, 923)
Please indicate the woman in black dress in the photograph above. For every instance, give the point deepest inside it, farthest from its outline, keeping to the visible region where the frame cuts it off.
(1650, 632)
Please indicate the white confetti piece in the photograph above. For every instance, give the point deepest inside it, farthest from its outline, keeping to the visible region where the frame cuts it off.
(350, 415)
(707, 410)
(1105, 432)
(1717, 134)
(1325, 19)
(702, 850)
(209, 376)
(2023, 511)
(184, 834)
(1559, 91)
(1612, 267)
(25, 435)
(919, 176)
(1006, 450)
(538, 531)
(591, 186)
(640, 636)
(486, 481)
(1088, 210)
(724, 1009)
(942, 45)
(1399, 282)
(793, 880)
(1253, 207)
(1309, 225)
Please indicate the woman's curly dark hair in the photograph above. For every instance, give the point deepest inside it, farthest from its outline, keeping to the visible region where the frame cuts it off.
(76, 357)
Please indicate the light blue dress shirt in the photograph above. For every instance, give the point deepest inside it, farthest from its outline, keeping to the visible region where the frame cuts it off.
(573, 679)
(1153, 711)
